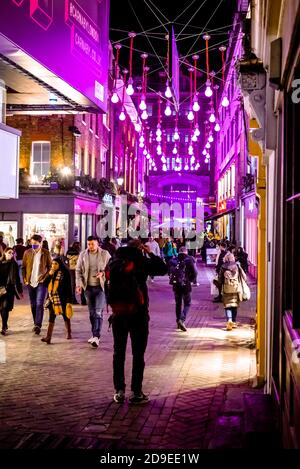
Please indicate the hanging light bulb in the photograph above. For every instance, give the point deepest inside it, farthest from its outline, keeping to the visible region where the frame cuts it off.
(122, 116)
(158, 138)
(168, 92)
(143, 105)
(129, 89)
(210, 139)
(176, 135)
(138, 127)
(208, 92)
(196, 106)
(144, 115)
(175, 151)
(178, 159)
(168, 111)
(206, 160)
(190, 115)
(115, 98)
(192, 168)
(145, 152)
(142, 138)
(208, 156)
(163, 159)
(212, 118)
(141, 144)
(158, 132)
(159, 150)
(148, 156)
(217, 127)
(193, 159)
(155, 169)
(197, 131)
(190, 150)
(225, 102)
(186, 168)
(208, 145)
(204, 153)
(164, 168)
(197, 166)
(194, 138)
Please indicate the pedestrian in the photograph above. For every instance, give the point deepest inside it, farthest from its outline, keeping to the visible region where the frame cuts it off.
(169, 252)
(242, 258)
(183, 272)
(45, 245)
(128, 298)
(219, 263)
(59, 298)
(90, 278)
(10, 286)
(231, 289)
(2, 244)
(72, 258)
(19, 250)
(35, 268)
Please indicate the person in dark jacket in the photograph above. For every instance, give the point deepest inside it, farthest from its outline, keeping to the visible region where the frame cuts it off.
(182, 292)
(222, 254)
(145, 264)
(59, 298)
(242, 258)
(10, 284)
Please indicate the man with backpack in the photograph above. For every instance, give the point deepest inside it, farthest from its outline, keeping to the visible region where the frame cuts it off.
(127, 294)
(183, 272)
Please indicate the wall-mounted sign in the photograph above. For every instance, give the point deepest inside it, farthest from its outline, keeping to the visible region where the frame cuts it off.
(108, 199)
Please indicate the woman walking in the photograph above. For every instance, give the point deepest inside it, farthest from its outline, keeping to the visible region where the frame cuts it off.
(10, 286)
(59, 297)
(229, 278)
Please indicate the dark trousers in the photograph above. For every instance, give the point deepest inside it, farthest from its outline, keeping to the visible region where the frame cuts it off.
(182, 295)
(37, 297)
(137, 327)
(4, 309)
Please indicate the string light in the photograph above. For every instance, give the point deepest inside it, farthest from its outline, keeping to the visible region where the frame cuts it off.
(208, 91)
(168, 111)
(168, 92)
(225, 102)
(137, 127)
(114, 98)
(217, 127)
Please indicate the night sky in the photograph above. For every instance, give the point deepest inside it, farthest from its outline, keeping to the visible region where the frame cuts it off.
(139, 15)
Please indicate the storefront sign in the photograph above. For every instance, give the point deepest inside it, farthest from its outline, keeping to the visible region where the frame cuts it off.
(108, 199)
(222, 206)
(68, 37)
(85, 206)
(251, 207)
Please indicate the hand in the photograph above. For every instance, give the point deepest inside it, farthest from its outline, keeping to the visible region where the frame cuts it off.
(100, 275)
(78, 290)
(146, 249)
(51, 272)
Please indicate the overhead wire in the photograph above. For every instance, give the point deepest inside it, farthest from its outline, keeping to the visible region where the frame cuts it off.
(153, 4)
(197, 11)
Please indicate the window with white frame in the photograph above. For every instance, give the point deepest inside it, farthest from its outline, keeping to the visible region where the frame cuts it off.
(40, 159)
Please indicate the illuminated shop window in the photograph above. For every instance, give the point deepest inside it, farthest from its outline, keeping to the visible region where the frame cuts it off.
(233, 180)
(40, 159)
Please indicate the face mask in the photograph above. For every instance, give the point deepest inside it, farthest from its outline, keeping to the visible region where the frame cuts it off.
(35, 246)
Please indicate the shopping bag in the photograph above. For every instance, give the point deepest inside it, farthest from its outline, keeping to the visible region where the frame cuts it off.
(213, 289)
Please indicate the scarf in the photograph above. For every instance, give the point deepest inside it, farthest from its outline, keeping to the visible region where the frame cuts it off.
(53, 295)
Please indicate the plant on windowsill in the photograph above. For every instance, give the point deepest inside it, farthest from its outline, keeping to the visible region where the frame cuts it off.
(58, 181)
(24, 179)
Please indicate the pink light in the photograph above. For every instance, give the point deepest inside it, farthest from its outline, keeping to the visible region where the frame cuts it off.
(194, 138)
(158, 138)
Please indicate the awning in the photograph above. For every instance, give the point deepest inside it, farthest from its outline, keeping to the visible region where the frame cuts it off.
(219, 215)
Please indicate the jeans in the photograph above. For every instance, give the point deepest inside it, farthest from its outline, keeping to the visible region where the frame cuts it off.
(20, 271)
(95, 298)
(231, 314)
(182, 294)
(137, 325)
(37, 297)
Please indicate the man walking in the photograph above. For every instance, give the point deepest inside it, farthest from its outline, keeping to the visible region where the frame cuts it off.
(35, 267)
(183, 272)
(90, 277)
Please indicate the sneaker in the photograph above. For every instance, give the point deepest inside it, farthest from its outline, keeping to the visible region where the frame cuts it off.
(119, 397)
(229, 326)
(181, 326)
(95, 342)
(91, 339)
(138, 398)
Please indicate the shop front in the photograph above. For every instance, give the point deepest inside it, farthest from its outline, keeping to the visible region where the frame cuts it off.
(85, 219)
(250, 232)
(224, 221)
(52, 227)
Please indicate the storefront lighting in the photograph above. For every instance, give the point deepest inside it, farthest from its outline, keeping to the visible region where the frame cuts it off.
(145, 152)
(206, 160)
(158, 138)
(159, 150)
(190, 150)
(34, 179)
(204, 153)
(120, 181)
(164, 168)
(208, 145)
(66, 171)
(186, 168)
(148, 156)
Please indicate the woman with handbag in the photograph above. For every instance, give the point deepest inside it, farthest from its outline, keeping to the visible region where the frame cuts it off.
(229, 278)
(10, 286)
(59, 297)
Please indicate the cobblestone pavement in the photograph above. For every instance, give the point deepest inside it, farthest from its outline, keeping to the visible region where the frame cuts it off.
(60, 395)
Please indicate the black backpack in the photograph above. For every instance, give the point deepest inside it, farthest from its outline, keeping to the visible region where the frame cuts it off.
(123, 291)
(178, 274)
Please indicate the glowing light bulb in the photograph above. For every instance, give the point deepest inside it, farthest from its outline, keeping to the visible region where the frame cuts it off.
(168, 111)
(138, 127)
(115, 98)
(144, 115)
(158, 132)
(142, 138)
(196, 106)
(158, 138)
(164, 167)
(193, 159)
(163, 159)
(194, 138)
(176, 135)
(178, 160)
(208, 156)
(129, 89)
(190, 150)
(197, 131)
(192, 168)
(143, 105)
(217, 127)
(212, 118)
(190, 116)
(186, 168)
(210, 139)
(175, 151)
(204, 152)
(155, 169)
(148, 156)
(206, 160)
(208, 145)
(225, 102)
(141, 144)
(168, 92)
(208, 92)
(145, 152)
(159, 150)
(197, 166)
(122, 116)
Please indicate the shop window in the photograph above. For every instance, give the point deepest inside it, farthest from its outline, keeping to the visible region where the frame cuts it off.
(40, 159)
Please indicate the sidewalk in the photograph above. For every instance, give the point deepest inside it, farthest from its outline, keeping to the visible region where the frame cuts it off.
(60, 396)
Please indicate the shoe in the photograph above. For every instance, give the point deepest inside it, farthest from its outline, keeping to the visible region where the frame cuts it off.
(3, 332)
(181, 326)
(95, 342)
(229, 326)
(139, 398)
(234, 325)
(91, 339)
(119, 397)
(33, 329)
(37, 330)
(177, 323)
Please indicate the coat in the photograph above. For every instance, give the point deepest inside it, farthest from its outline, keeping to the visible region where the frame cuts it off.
(9, 275)
(83, 266)
(231, 286)
(27, 264)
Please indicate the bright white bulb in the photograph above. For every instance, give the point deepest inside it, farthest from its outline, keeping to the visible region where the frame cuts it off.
(141, 145)
(164, 167)
(210, 139)
(197, 166)
(186, 168)
(217, 127)
(197, 131)
(144, 115)
(208, 156)
(145, 152)
(204, 152)
(115, 98)
(138, 127)
(155, 169)
(148, 156)
(122, 116)
(158, 132)
(190, 150)
(176, 135)
(168, 92)
(175, 151)
(193, 159)
(168, 111)
(178, 160)
(225, 102)
(208, 145)
(190, 116)
(163, 159)
(142, 138)
(192, 168)
(194, 138)
(212, 118)
(130, 90)
(206, 160)
(143, 105)
(196, 106)
(158, 138)
(208, 92)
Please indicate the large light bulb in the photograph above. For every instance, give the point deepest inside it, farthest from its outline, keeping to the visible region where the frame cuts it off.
(208, 145)
(197, 131)
(210, 139)
(208, 92)
(168, 92)
(196, 106)
(143, 105)
(225, 102)
(122, 116)
(168, 111)
(175, 151)
(115, 98)
(194, 138)
(158, 138)
(129, 89)
(212, 118)
(138, 127)
(217, 127)
(144, 115)
(176, 135)
(190, 116)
